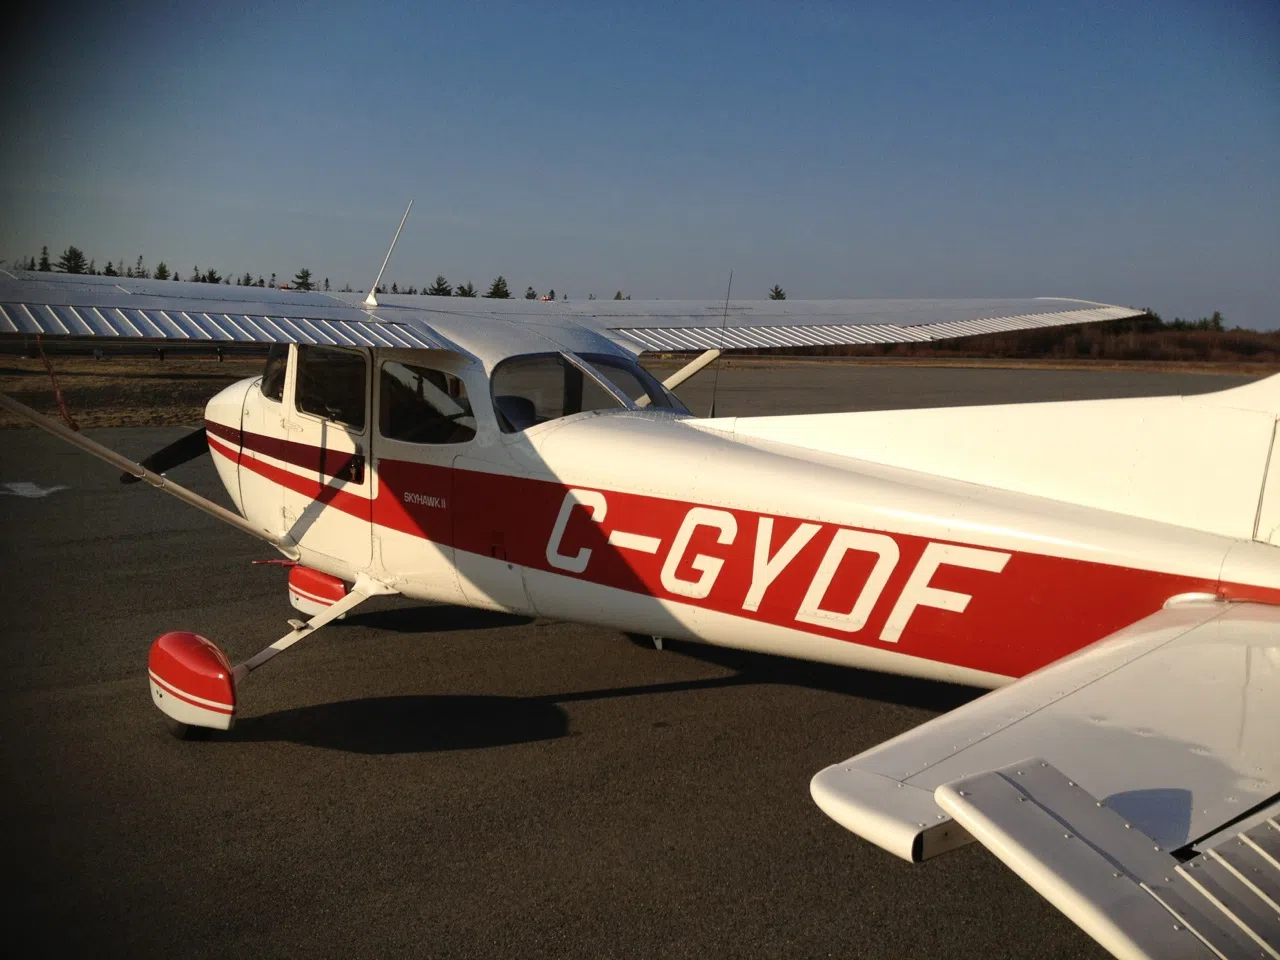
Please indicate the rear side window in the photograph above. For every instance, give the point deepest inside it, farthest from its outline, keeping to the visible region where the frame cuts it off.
(331, 384)
(420, 405)
(273, 372)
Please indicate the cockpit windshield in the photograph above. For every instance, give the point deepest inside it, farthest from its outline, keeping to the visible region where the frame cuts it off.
(534, 389)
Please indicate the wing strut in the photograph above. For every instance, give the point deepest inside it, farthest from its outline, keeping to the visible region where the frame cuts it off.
(142, 473)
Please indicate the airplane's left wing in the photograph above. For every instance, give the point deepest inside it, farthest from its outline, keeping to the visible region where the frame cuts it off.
(97, 307)
(1135, 784)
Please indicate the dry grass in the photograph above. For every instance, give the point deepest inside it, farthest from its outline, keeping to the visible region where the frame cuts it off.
(122, 392)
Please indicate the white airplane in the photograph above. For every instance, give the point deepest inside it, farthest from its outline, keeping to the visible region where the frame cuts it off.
(1110, 569)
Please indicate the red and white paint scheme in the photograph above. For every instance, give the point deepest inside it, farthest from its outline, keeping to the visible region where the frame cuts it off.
(191, 680)
(518, 458)
(312, 592)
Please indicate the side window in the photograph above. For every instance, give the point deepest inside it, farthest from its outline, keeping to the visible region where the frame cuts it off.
(634, 381)
(273, 372)
(331, 384)
(534, 389)
(420, 405)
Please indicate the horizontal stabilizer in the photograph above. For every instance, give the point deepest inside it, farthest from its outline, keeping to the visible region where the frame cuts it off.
(1149, 815)
(1133, 896)
(1114, 717)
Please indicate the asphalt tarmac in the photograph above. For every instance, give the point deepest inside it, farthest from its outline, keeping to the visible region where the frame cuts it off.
(432, 781)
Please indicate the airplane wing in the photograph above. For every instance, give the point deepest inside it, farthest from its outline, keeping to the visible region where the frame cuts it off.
(84, 307)
(746, 324)
(1135, 784)
(80, 306)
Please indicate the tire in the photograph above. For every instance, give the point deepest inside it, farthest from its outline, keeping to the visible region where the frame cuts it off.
(185, 731)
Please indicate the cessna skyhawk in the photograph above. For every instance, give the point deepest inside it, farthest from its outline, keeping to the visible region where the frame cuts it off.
(1108, 568)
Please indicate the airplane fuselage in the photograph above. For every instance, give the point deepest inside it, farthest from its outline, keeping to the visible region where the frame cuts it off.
(662, 525)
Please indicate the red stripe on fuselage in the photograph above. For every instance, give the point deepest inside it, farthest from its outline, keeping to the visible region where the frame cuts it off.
(1036, 609)
(328, 463)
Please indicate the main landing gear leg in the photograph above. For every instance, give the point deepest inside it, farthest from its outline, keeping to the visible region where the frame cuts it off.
(194, 684)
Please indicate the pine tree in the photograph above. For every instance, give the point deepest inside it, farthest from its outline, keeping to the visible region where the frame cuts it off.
(93, 268)
(530, 293)
(498, 289)
(162, 271)
(110, 271)
(246, 280)
(211, 276)
(777, 293)
(394, 288)
(618, 295)
(326, 284)
(44, 260)
(302, 280)
(551, 294)
(176, 275)
(260, 283)
(465, 290)
(196, 275)
(140, 271)
(440, 288)
(72, 261)
(272, 282)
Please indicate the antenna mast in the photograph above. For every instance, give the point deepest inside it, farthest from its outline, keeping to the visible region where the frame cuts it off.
(724, 320)
(371, 301)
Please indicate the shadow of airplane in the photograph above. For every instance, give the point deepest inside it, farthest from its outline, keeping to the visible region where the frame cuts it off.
(408, 724)
(434, 618)
(762, 668)
(433, 723)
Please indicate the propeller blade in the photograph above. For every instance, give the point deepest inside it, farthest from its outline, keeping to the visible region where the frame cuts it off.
(180, 451)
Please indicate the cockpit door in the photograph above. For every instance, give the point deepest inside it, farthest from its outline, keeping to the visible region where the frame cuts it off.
(329, 486)
(424, 418)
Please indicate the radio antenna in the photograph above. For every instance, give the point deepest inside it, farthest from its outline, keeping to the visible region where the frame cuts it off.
(724, 320)
(371, 301)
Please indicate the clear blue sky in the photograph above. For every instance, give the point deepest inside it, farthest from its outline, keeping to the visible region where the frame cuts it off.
(1119, 151)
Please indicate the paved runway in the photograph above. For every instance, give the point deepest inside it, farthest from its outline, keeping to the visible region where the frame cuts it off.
(437, 782)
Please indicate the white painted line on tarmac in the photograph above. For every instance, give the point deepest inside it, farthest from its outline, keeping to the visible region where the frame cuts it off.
(31, 491)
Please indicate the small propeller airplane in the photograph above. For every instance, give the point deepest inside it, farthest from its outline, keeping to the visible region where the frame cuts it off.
(1109, 569)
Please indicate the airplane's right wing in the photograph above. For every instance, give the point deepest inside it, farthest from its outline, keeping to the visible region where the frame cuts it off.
(1135, 784)
(751, 324)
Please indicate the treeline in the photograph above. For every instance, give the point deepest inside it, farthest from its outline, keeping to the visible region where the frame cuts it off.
(73, 260)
